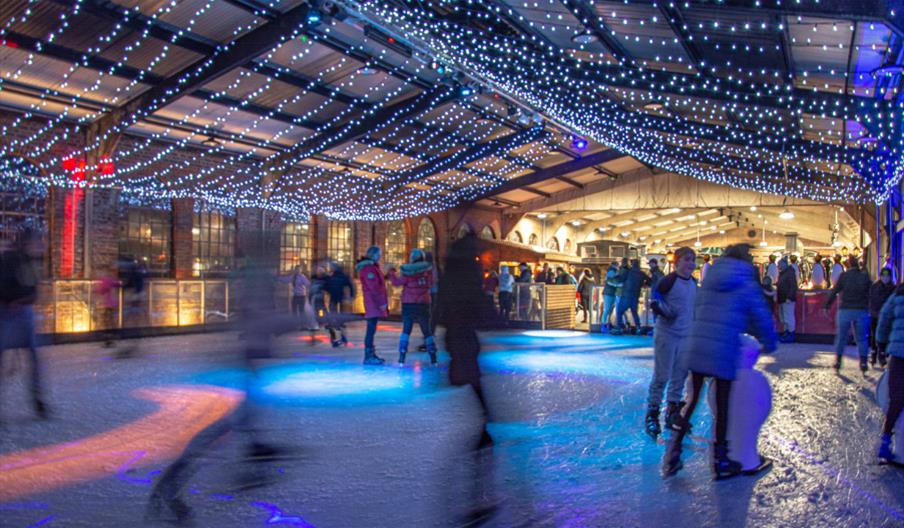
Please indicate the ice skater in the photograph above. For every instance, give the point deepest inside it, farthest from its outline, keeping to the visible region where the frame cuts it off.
(463, 310)
(416, 282)
(673, 303)
(879, 292)
(337, 285)
(376, 302)
(853, 285)
(890, 339)
(20, 272)
(729, 303)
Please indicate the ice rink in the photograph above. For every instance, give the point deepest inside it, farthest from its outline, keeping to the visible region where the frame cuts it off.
(390, 446)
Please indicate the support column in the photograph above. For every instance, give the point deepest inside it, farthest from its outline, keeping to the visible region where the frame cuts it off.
(183, 248)
(258, 235)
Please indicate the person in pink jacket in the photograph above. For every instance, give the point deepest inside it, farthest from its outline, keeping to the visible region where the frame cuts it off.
(416, 281)
(373, 288)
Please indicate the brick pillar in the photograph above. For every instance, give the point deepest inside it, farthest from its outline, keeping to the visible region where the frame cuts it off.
(320, 229)
(104, 232)
(258, 234)
(183, 250)
(363, 239)
(67, 211)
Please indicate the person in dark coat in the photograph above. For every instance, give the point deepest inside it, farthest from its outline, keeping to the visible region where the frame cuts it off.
(853, 285)
(728, 304)
(585, 291)
(635, 279)
(19, 276)
(337, 284)
(890, 340)
(609, 299)
(787, 300)
(544, 276)
(463, 309)
(879, 292)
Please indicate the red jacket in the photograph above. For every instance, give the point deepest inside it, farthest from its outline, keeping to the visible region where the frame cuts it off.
(416, 279)
(373, 288)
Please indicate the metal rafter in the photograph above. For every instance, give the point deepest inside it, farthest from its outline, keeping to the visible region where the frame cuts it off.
(592, 22)
(673, 16)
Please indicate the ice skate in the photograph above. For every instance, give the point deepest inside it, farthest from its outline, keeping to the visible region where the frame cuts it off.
(886, 456)
(671, 463)
(651, 423)
(765, 463)
(837, 363)
(864, 366)
(179, 512)
(431, 349)
(672, 415)
(724, 467)
(872, 358)
(402, 354)
(371, 357)
(883, 359)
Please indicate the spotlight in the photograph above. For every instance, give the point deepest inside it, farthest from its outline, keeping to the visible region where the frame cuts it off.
(314, 17)
(541, 216)
(466, 91)
(575, 223)
(578, 143)
(698, 243)
(786, 215)
(438, 67)
(211, 142)
(367, 70)
(584, 37)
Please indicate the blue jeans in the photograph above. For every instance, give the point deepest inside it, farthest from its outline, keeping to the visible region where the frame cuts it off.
(626, 303)
(370, 331)
(17, 330)
(844, 320)
(608, 306)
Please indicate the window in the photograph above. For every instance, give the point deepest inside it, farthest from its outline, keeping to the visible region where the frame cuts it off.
(533, 240)
(487, 233)
(295, 247)
(20, 205)
(567, 245)
(553, 244)
(395, 247)
(426, 236)
(145, 235)
(213, 236)
(515, 236)
(463, 231)
(339, 244)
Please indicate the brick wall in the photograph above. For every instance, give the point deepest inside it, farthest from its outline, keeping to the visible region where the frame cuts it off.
(182, 249)
(103, 231)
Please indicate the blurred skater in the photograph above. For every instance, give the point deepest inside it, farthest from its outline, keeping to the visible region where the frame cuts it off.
(258, 322)
(729, 303)
(133, 275)
(20, 272)
(376, 303)
(317, 301)
(506, 284)
(300, 286)
(585, 292)
(464, 309)
(890, 339)
(416, 282)
(337, 285)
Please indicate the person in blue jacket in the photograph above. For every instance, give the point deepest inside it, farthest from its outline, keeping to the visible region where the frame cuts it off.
(729, 303)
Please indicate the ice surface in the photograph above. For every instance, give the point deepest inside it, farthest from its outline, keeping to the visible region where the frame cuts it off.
(388, 446)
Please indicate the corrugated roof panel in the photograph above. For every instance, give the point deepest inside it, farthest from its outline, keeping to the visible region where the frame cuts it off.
(643, 31)
(221, 22)
(174, 60)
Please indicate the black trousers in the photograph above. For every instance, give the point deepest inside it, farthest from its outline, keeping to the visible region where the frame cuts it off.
(723, 391)
(895, 393)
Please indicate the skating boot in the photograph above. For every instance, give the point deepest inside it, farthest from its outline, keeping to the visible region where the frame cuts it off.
(403, 348)
(872, 357)
(651, 423)
(864, 366)
(371, 357)
(883, 359)
(431, 349)
(724, 467)
(885, 454)
(673, 415)
(344, 339)
(837, 363)
(671, 463)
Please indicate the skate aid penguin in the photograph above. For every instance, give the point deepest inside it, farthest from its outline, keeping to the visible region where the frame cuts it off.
(749, 405)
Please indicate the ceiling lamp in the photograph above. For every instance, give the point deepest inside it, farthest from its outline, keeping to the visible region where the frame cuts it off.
(575, 223)
(367, 70)
(653, 106)
(601, 229)
(578, 143)
(887, 70)
(541, 216)
(211, 142)
(763, 241)
(786, 215)
(698, 243)
(753, 208)
(584, 37)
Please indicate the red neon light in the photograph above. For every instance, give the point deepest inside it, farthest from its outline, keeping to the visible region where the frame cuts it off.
(69, 164)
(106, 167)
(391, 40)
(10, 44)
(70, 222)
